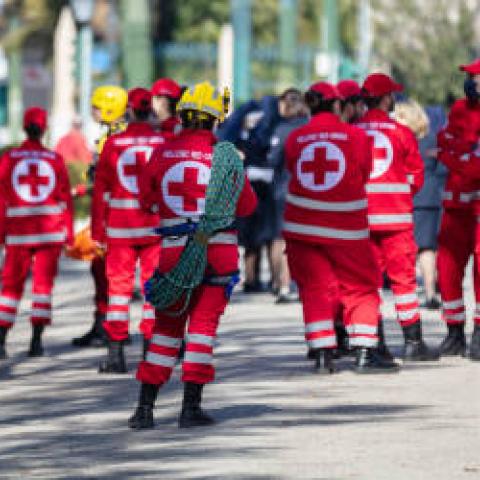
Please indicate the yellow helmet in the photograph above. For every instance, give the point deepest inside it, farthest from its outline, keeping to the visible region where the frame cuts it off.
(111, 101)
(205, 99)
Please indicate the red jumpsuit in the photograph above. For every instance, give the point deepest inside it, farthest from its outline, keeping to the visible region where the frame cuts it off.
(396, 176)
(459, 235)
(38, 221)
(126, 228)
(327, 232)
(176, 180)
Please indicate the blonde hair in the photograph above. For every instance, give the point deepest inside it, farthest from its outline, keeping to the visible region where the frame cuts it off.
(411, 114)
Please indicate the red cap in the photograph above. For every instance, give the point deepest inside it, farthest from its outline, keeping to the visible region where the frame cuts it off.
(472, 68)
(140, 99)
(166, 87)
(326, 90)
(379, 84)
(349, 88)
(37, 116)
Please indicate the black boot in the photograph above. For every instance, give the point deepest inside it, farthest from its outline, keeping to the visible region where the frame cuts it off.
(95, 337)
(3, 338)
(454, 343)
(382, 348)
(192, 414)
(416, 350)
(342, 349)
(143, 416)
(324, 361)
(115, 362)
(475, 344)
(368, 361)
(36, 348)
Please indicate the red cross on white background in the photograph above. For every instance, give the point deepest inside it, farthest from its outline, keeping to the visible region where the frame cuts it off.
(321, 165)
(190, 189)
(33, 179)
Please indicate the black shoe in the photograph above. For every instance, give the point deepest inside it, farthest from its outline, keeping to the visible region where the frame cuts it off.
(192, 414)
(454, 343)
(36, 348)
(286, 298)
(343, 348)
(324, 361)
(369, 361)
(95, 337)
(311, 354)
(115, 362)
(416, 350)
(475, 344)
(3, 338)
(143, 416)
(431, 304)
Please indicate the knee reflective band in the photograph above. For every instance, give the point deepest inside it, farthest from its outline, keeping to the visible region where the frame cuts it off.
(165, 290)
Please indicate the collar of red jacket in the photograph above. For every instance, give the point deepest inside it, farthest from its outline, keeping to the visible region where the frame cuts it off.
(32, 144)
(202, 135)
(169, 124)
(139, 127)
(375, 114)
(325, 117)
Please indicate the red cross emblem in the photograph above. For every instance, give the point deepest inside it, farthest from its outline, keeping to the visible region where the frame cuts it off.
(184, 187)
(33, 180)
(130, 165)
(382, 153)
(321, 166)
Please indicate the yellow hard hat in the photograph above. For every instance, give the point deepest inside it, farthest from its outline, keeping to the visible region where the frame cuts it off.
(206, 99)
(111, 101)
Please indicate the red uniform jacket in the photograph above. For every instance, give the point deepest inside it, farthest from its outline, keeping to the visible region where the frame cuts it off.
(34, 185)
(175, 182)
(397, 172)
(116, 212)
(457, 144)
(329, 162)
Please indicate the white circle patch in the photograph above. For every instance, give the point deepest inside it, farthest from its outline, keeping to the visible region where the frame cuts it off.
(321, 166)
(33, 179)
(382, 153)
(184, 186)
(129, 166)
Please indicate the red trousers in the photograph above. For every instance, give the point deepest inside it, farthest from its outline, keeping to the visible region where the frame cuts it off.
(318, 269)
(396, 255)
(456, 243)
(43, 261)
(121, 263)
(99, 274)
(208, 304)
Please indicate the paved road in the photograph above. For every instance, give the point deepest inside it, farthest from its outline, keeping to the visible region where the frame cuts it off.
(276, 420)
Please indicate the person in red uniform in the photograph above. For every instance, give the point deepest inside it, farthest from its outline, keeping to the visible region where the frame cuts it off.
(327, 234)
(176, 181)
(397, 174)
(38, 216)
(127, 230)
(458, 238)
(165, 95)
(353, 106)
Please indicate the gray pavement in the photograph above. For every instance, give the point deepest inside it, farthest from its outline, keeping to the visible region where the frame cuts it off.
(59, 419)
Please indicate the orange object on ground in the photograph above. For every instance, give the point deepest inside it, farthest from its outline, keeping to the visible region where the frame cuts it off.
(84, 248)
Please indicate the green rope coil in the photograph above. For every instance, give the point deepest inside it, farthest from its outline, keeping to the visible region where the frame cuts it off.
(165, 290)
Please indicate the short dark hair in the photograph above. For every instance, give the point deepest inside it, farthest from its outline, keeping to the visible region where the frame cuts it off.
(373, 102)
(141, 115)
(33, 131)
(316, 103)
(196, 120)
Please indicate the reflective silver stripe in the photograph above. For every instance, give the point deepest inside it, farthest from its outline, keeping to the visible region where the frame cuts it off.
(406, 298)
(410, 178)
(117, 316)
(386, 219)
(118, 300)
(130, 232)
(327, 206)
(321, 326)
(38, 238)
(453, 304)
(7, 317)
(9, 302)
(171, 222)
(148, 315)
(325, 231)
(407, 314)
(387, 188)
(467, 196)
(161, 360)
(447, 196)
(124, 203)
(323, 342)
(34, 210)
(477, 306)
(41, 312)
(164, 341)
(461, 317)
(195, 357)
(200, 339)
(362, 341)
(218, 239)
(41, 298)
(362, 330)
(106, 196)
